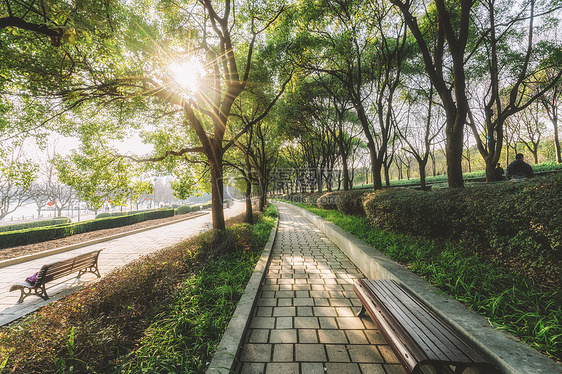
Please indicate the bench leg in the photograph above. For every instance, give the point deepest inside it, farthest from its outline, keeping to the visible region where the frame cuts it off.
(93, 269)
(42, 292)
(23, 295)
(362, 311)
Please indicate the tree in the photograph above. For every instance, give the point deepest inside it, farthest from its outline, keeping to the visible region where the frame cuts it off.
(510, 69)
(200, 115)
(16, 176)
(422, 126)
(362, 46)
(530, 127)
(551, 101)
(442, 39)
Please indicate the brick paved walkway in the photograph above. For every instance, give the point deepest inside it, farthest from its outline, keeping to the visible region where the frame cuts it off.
(304, 319)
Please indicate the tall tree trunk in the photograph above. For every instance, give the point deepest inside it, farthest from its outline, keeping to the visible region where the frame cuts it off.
(422, 163)
(217, 191)
(345, 172)
(556, 139)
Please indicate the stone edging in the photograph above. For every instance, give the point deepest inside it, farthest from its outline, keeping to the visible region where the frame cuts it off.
(508, 354)
(225, 359)
(18, 260)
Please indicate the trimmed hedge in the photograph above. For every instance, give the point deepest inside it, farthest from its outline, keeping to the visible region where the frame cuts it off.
(519, 218)
(120, 214)
(30, 225)
(37, 235)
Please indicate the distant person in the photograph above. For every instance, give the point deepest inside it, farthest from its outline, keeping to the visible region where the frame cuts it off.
(519, 169)
(499, 172)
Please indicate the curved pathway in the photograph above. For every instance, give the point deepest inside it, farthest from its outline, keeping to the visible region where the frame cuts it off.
(117, 252)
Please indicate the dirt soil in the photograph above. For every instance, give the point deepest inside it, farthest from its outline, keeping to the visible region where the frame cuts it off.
(8, 253)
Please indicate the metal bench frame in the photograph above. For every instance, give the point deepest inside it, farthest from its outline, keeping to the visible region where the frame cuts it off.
(84, 263)
(421, 340)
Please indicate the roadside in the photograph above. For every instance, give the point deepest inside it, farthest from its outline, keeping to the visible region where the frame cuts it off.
(8, 253)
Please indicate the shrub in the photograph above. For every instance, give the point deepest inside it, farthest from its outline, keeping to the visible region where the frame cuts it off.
(351, 202)
(183, 209)
(311, 198)
(40, 234)
(42, 223)
(329, 200)
(514, 219)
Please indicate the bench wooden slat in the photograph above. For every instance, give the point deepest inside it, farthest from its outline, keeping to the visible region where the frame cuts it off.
(83, 263)
(435, 337)
(417, 335)
(409, 326)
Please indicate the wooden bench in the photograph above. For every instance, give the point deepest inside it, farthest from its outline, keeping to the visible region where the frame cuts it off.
(84, 263)
(421, 340)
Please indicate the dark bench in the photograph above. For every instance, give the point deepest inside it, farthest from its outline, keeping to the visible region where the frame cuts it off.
(422, 341)
(84, 263)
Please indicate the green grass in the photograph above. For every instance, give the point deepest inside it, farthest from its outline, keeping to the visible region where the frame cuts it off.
(185, 335)
(440, 181)
(508, 300)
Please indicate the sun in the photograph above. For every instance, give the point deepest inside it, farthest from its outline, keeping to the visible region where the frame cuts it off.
(187, 74)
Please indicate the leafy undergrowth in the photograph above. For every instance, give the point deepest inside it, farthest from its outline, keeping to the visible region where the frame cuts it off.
(509, 300)
(165, 312)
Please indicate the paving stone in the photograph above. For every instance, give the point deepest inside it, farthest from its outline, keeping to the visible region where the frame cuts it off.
(332, 337)
(303, 301)
(350, 323)
(256, 353)
(253, 368)
(312, 368)
(284, 322)
(259, 336)
(264, 311)
(337, 353)
(356, 337)
(339, 368)
(388, 354)
(321, 311)
(283, 352)
(310, 353)
(304, 311)
(307, 336)
(364, 353)
(283, 336)
(284, 311)
(262, 323)
(306, 323)
(372, 369)
(266, 302)
(285, 302)
(328, 323)
(394, 369)
(282, 368)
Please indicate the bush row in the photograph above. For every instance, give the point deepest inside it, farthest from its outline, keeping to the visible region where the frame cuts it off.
(30, 225)
(40, 234)
(511, 218)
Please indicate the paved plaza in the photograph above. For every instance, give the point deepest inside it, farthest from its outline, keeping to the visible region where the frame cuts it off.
(304, 320)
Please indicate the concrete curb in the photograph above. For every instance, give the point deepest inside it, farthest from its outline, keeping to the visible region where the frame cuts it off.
(508, 354)
(225, 359)
(54, 251)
